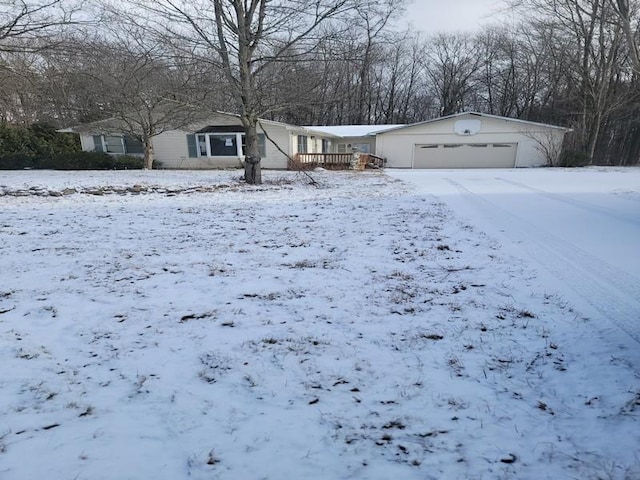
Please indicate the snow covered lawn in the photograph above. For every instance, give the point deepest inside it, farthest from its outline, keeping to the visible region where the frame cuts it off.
(190, 326)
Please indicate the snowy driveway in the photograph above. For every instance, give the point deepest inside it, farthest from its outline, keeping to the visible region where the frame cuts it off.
(580, 228)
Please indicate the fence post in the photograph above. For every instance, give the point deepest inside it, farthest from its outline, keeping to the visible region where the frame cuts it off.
(355, 160)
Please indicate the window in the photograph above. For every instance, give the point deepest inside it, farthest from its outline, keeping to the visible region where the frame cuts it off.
(133, 145)
(362, 147)
(478, 145)
(326, 146)
(223, 144)
(202, 145)
(262, 144)
(429, 146)
(113, 144)
(342, 148)
(117, 144)
(302, 144)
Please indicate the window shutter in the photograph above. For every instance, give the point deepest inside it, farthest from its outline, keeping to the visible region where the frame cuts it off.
(132, 145)
(192, 146)
(97, 143)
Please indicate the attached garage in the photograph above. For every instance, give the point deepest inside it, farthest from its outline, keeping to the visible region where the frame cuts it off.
(465, 155)
(470, 140)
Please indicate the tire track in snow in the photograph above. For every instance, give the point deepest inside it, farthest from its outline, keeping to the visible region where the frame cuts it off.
(572, 201)
(610, 291)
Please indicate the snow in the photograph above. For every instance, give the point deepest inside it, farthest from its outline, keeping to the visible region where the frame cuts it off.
(353, 130)
(367, 328)
(580, 227)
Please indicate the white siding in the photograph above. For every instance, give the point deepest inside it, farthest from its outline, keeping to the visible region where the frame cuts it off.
(398, 146)
(171, 148)
(276, 159)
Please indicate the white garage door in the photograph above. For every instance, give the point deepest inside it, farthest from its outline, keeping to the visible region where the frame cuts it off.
(465, 155)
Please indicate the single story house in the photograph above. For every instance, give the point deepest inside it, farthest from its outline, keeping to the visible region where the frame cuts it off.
(462, 140)
(471, 140)
(217, 142)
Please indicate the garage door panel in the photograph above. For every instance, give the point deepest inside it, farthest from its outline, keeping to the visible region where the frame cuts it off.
(465, 155)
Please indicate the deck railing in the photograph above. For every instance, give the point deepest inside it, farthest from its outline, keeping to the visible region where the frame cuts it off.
(336, 161)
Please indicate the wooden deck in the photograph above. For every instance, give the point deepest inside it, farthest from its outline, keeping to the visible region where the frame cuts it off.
(335, 161)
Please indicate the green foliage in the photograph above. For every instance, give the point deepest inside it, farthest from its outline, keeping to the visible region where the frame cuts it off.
(36, 140)
(39, 146)
(71, 161)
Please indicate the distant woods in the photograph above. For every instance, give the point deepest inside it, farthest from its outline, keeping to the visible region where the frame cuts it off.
(574, 63)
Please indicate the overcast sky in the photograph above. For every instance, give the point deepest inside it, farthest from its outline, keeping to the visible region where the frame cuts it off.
(433, 16)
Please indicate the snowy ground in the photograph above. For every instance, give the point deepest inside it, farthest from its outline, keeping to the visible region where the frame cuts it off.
(581, 228)
(357, 330)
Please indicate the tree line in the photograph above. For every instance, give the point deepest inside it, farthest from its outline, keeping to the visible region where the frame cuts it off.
(157, 65)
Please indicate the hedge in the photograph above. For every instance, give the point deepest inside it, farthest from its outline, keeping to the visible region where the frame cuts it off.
(70, 161)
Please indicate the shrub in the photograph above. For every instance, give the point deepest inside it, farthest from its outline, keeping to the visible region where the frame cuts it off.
(36, 140)
(572, 158)
(71, 161)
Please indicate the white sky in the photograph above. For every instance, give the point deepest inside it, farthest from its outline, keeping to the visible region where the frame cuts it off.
(433, 16)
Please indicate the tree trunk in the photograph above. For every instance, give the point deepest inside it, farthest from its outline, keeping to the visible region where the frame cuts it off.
(148, 153)
(252, 169)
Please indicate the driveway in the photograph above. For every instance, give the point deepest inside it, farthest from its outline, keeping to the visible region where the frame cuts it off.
(578, 228)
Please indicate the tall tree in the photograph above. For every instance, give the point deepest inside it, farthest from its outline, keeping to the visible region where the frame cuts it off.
(452, 65)
(627, 16)
(245, 37)
(586, 29)
(139, 85)
(28, 25)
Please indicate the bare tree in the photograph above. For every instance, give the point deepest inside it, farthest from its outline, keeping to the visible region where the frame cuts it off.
(244, 37)
(452, 65)
(138, 85)
(586, 30)
(627, 16)
(30, 25)
(373, 17)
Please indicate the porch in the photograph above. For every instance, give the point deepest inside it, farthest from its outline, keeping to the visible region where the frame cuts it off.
(336, 161)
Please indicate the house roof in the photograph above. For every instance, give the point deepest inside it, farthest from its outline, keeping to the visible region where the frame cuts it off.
(476, 114)
(113, 125)
(352, 130)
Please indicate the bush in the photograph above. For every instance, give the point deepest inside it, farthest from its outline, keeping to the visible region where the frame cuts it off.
(573, 158)
(71, 161)
(36, 140)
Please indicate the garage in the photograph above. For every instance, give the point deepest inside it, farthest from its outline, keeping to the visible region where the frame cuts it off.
(470, 140)
(465, 155)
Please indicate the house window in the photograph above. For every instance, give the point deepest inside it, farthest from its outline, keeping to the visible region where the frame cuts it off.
(262, 144)
(225, 144)
(202, 145)
(342, 148)
(117, 144)
(362, 147)
(326, 146)
(113, 144)
(302, 144)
